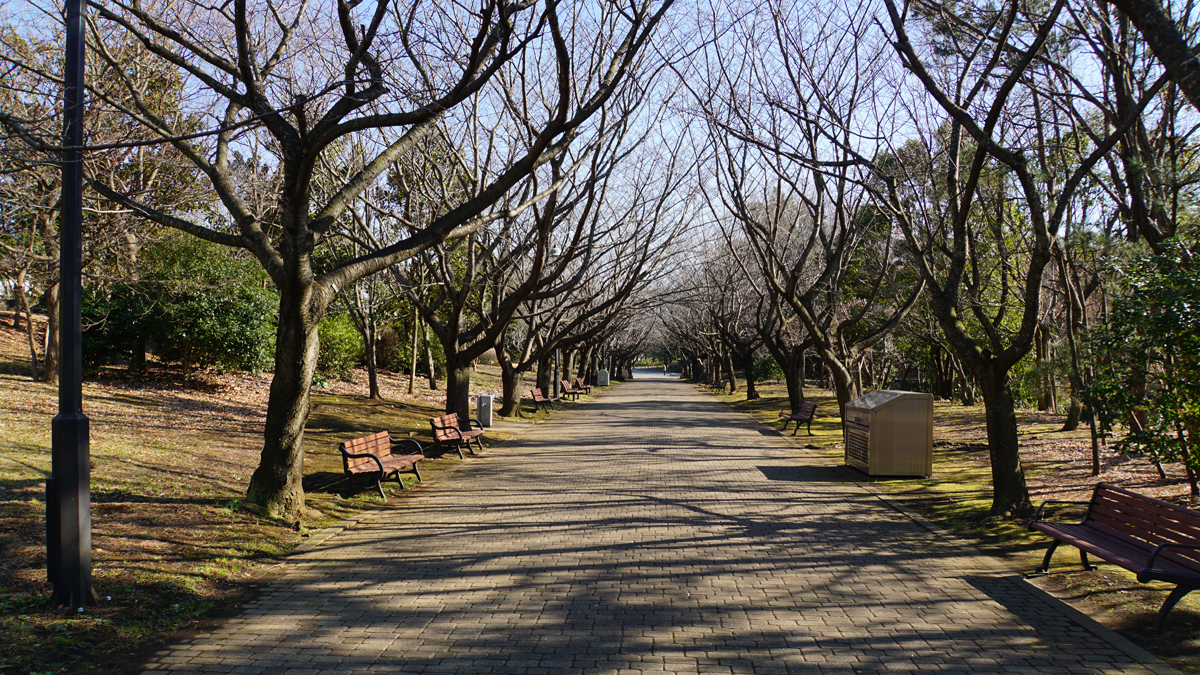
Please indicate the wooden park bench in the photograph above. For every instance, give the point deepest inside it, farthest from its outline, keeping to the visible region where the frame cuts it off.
(720, 385)
(373, 455)
(805, 413)
(1156, 540)
(540, 399)
(568, 390)
(448, 433)
(580, 384)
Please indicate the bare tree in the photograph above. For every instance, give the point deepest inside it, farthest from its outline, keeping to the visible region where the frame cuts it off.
(1161, 32)
(990, 64)
(816, 236)
(393, 74)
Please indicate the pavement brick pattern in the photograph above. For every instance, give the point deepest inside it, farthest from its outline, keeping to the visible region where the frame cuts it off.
(654, 530)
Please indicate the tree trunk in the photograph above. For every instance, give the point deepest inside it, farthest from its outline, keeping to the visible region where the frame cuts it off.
(372, 334)
(748, 362)
(842, 379)
(276, 484)
(29, 325)
(50, 353)
(1075, 408)
(185, 355)
(1041, 346)
(1167, 43)
(412, 362)
(1075, 314)
(1190, 455)
(730, 373)
(137, 363)
(508, 380)
(1010, 495)
(433, 385)
(543, 374)
(968, 391)
(793, 375)
(585, 360)
(458, 387)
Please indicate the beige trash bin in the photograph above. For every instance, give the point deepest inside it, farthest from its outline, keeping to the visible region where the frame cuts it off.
(890, 433)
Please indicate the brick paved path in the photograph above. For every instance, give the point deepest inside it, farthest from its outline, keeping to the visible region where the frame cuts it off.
(668, 535)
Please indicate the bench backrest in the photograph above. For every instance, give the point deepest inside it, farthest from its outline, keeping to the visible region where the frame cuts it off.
(1151, 520)
(378, 444)
(808, 408)
(537, 394)
(444, 434)
(566, 384)
(579, 383)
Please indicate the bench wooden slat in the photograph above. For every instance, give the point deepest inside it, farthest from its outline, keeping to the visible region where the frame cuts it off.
(372, 454)
(1163, 517)
(568, 390)
(805, 413)
(448, 432)
(541, 399)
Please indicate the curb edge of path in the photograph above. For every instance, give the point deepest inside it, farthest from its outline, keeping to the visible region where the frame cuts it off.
(1119, 642)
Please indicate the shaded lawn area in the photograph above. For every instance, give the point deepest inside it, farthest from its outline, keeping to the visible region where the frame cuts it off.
(1058, 466)
(173, 548)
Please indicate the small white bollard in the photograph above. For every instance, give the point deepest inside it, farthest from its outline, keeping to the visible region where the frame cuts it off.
(602, 378)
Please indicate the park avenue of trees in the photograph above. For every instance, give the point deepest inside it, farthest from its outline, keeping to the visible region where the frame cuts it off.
(995, 202)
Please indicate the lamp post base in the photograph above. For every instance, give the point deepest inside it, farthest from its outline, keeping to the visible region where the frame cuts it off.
(69, 513)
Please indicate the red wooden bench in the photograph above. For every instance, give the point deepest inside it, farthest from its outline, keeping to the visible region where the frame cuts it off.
(448, 433)
(373, 455)
(579, 384)
(804, 413)
(540, 399)
(568, 390)
(1156, 540)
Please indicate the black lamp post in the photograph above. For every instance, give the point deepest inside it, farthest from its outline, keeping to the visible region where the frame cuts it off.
(68, 490)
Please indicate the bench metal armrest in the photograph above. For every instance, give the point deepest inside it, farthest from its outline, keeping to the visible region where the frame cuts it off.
(475, 422)
(1041, 509)
(447, 428)
(1158, 549)
(378, 462)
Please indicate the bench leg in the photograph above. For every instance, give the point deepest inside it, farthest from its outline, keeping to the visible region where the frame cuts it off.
(1168, 604)
(1045, 566)
(416, 471)
(810, 433)
(379, 486)
(1084, 560)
